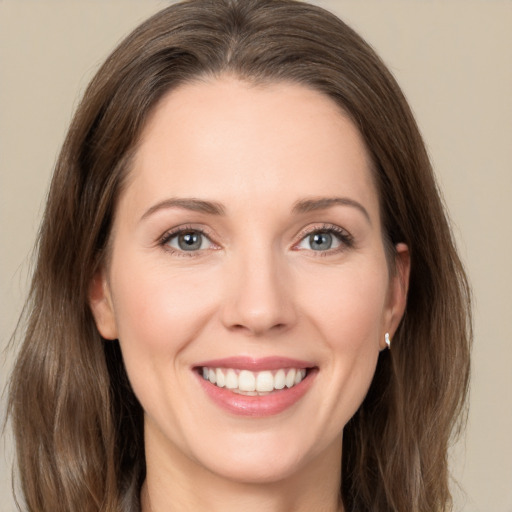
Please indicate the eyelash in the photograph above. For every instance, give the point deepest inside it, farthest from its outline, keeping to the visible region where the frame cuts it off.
(344, 237)
(169, 235)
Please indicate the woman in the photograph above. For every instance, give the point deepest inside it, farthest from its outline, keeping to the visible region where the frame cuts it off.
(242, 220)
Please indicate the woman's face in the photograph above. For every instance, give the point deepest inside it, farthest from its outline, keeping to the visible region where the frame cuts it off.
(248, 283)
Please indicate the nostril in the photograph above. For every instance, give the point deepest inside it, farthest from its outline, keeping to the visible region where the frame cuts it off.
(258, 329)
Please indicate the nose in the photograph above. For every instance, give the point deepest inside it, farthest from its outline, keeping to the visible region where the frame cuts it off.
(259, 296)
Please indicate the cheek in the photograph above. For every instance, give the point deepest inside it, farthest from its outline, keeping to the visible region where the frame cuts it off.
(349, 313)
(349, 306)
(158, 311)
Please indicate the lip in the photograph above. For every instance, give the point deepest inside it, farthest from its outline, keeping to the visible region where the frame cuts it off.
(256, 406)
(256, 364)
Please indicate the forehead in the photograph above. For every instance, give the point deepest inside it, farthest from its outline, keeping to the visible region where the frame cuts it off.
(228, 139)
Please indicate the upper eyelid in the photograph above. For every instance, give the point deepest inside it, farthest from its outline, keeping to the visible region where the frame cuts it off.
(323, 227)
(184, 228)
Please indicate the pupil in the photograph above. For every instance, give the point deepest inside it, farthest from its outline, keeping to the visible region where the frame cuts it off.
(321, 241)
(189, 241)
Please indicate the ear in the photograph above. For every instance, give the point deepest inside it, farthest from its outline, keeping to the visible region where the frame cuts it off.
(398, 287)
(100, 301)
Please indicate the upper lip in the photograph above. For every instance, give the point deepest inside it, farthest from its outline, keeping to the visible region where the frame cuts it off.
(256, 364)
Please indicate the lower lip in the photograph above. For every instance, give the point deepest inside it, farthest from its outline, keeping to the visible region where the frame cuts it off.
(257, 406)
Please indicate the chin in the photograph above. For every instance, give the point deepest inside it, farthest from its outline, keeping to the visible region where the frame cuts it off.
(256, 471)
(257, 459)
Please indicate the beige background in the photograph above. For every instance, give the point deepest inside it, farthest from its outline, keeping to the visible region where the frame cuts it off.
(453, 59)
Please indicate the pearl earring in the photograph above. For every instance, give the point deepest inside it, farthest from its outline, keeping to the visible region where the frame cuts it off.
(387, 340)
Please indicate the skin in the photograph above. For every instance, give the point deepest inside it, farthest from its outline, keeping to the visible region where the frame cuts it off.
(257, 288)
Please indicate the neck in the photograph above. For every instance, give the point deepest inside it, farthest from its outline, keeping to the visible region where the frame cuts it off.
(175, 483)
(248, 500)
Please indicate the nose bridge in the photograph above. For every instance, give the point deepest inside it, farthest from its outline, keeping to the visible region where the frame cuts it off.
(259, 298)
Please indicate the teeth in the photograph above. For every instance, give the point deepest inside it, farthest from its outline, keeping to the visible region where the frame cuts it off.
(280, 379)
(265, 381)
(231, 379)
(290, 378)
(253, 383)
(219, 376)
(246, 381)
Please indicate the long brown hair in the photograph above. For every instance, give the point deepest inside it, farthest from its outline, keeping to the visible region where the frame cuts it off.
(77, 424)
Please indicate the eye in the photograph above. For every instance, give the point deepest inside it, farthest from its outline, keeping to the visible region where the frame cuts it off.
(319, 241)
(325, 239)
(189, 240)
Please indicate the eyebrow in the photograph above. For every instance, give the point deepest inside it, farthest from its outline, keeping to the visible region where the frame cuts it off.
(321, 203)
(192, 204)
(214, 208)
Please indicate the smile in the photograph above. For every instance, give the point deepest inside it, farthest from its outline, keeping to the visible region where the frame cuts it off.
(251, 387)
(249, 383)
